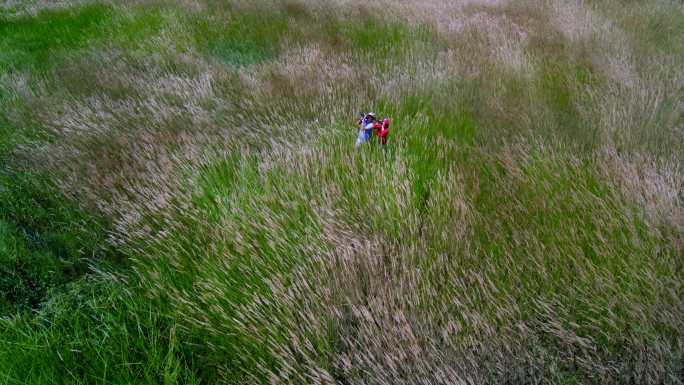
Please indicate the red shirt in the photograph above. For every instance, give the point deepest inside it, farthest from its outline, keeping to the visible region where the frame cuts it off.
(383, 131)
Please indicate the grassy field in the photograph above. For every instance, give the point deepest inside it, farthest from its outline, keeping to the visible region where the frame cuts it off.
(181, 201)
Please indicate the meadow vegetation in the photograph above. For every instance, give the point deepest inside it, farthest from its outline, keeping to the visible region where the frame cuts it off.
(181, 200)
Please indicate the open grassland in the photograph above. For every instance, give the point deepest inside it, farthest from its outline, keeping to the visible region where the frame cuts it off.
(181, 201)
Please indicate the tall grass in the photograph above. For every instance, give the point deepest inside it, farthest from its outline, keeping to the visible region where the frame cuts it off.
(524, 224)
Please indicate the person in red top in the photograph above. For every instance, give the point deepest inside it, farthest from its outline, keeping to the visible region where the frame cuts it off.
(383, 131)
(377, 126)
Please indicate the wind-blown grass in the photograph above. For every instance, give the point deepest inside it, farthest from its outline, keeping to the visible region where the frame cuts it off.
(204, 217)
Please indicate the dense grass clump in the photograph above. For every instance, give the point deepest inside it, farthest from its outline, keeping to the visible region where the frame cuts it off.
(94, 331)
(181, 200)
(31, 41)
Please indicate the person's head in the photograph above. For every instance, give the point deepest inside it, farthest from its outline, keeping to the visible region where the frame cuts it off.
(370, 116)
(386, 122)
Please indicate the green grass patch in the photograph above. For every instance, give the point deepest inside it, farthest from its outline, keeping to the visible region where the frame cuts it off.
(241, 39)
(562, 87)
(374, 36)
(536, 209)
(43, 41)
(381, 41)
(423, 122)
(29, 41)
(49, 241)
(95, 331)
(25, 275)
(658, 30)
(234, 269)
(132, 28)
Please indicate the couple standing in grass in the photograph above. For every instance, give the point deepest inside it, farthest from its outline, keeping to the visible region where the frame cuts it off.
(369, 125)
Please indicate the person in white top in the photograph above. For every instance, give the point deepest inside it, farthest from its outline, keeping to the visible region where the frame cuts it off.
(365, 128)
